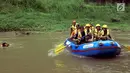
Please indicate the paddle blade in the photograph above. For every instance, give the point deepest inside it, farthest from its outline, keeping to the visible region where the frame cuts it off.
(60, 48)
(127, 47)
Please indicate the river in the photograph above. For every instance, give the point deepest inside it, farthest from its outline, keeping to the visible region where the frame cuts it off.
(29, 54)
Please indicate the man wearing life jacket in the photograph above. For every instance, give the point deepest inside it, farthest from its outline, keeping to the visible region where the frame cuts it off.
(97, 32)
(92, 27)
(73, 26)
(92, 31)
(82, 33)
(88, 33)
(105, 33)
(76, 34)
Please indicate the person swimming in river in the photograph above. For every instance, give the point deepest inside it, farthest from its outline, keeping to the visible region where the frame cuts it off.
(4, 44)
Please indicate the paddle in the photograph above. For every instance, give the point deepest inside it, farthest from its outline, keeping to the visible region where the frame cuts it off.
(60, 48)
(127, 47)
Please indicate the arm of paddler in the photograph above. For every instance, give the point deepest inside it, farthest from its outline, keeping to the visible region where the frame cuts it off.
(102, 36)
(72, 35)
(73, 27)
(109, 34)
(79, 37)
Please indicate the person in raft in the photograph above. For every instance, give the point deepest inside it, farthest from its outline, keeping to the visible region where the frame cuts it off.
(78, 34)
(73, 26)
(88, 33)
(97, 32)
(105, 33)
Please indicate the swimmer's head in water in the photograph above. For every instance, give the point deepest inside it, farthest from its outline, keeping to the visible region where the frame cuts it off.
(4, 44)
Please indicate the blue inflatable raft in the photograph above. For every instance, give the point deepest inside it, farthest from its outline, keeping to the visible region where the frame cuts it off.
(94, 49)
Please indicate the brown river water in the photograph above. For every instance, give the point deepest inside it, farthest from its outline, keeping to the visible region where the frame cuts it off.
(29, 54)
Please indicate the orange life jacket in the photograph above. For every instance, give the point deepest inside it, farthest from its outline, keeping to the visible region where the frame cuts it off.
(76, 34)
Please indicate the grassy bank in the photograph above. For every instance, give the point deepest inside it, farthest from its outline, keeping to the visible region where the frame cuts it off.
(57, 15)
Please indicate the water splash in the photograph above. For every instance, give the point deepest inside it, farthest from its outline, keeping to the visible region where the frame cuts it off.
(66, 52)
(51, 53)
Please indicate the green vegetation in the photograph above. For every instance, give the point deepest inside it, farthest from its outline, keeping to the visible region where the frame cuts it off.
(57, 15)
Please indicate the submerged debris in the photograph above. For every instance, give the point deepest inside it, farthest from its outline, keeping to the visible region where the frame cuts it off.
(22, 33)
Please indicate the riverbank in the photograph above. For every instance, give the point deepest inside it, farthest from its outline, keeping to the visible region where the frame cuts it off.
(58, 15)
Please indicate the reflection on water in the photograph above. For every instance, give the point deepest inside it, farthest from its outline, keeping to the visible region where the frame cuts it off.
(29, 54)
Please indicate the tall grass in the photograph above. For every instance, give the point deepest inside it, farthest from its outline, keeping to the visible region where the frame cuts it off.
(56, 14)
(68, 8)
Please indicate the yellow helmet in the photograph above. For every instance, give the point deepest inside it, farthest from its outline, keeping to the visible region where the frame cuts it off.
(88, 25)
(97, 25)
(104, 26)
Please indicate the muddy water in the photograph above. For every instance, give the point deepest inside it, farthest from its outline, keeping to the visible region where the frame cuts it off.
(29, 54)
